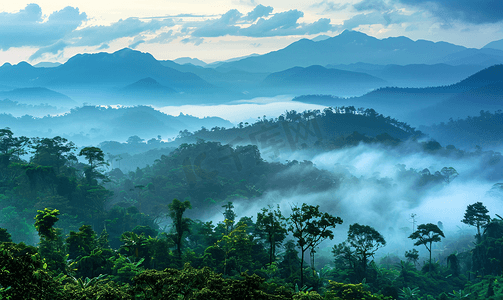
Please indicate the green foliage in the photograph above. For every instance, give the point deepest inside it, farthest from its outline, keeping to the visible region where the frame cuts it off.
(343, 291)
(426, 234)
(25, 272)
(310, 227)
(271, 225)
(191, 283)
(180, 224)
(4, 236)
(44, 222)
(82, 242)
(409, 294)
(476, 215)
(366, 241)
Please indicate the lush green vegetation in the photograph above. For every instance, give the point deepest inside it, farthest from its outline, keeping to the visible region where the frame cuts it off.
(70, 230)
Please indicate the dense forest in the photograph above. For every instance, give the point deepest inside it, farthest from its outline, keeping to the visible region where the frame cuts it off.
(74, 226)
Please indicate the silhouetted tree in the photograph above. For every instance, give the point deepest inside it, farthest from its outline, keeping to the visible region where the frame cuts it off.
(426, 234)
(271, 224)
(476, 215)
(310, 227)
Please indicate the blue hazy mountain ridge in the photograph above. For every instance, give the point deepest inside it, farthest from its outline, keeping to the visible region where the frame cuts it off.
(95, 78)
(480, 91)
(93, 124)
(146, 89)
(414, 75)
(495, 45)
(20, 75)
(317, 78)
(125, 66)
(37, 95)
(46, 64)
(485, 57)
(189, 60)
(236, 80)
(346, 48)
(485, 93)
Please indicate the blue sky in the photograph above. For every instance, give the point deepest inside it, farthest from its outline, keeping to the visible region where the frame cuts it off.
(55, 30)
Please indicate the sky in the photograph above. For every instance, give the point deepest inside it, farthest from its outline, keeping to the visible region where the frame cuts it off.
(55, 30)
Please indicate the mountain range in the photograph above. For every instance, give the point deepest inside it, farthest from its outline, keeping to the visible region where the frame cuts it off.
(379, 73)
(354, 47)
(481, 91)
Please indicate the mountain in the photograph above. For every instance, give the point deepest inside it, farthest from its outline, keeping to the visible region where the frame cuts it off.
(415, 75)
(480, 91)
(495, 45)
(188, 60)
(346, 48)
(119, 68)
(235, 80)
(485, 57)
(38, 95)
(91, 125)
(485, 94)
(322, 80)
(147, 89)
(20, 75)
(45, 64)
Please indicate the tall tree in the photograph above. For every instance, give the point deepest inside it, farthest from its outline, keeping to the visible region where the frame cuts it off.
(476, 215)
(53, 152)
(44, 222)
(310, 227)
(181, 224)
(271, 224)
(230, 217)
(96, 158)
(426, 234)
(366, 241)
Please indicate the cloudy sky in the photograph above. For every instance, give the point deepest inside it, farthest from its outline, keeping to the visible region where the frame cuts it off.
(55, 30)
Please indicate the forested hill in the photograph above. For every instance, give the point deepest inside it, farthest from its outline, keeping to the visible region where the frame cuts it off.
(94, 124)
(294, 130)
(483, 131)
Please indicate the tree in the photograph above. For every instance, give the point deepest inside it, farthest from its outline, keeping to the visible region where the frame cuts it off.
(181, 224)
(81, 243)
(310, 227)
(229, 215)
(449, 173)
(44, 222)
(96, 158)
(412, 256)
(271, 224)
(476, 215)
(425, 235)
(53, 152)
(366, 241)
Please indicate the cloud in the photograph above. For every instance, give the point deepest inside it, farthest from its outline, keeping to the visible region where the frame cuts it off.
(258, 12)
(375, 5)
(196, 40)
(234, 24)
(246, 2)
(225, 25)
(383, 18)
(162, 38)
(28, 27)
(469, 11)
(53, 49)
(330, 6)
(97, 35)
(136, 42)
(103, 47)
(285, 23)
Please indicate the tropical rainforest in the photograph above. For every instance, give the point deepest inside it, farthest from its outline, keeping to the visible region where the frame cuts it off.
(220, 213)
